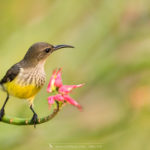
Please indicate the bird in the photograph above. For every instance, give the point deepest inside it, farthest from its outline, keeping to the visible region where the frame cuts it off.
(26, 78)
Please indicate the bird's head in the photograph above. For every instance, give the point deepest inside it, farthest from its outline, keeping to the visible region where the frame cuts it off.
(39, 52)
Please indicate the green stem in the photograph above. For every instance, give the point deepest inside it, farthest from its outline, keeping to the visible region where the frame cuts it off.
(21, 121)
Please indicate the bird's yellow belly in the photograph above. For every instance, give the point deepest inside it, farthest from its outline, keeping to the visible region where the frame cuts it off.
(21, 91)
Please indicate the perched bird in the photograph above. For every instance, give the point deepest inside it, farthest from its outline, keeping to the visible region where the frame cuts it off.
(25, 79)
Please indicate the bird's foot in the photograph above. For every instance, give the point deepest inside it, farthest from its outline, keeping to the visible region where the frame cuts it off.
(34, 119)
(2, 112)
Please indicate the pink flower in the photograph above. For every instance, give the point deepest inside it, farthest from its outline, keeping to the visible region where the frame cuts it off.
(56, 85)
(51, 99)
(58, 80)
(65, 89)
(72, 101)
(63, 98)
(55, 81)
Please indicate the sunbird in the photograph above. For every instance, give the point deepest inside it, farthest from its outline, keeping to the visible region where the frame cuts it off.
(25, 79)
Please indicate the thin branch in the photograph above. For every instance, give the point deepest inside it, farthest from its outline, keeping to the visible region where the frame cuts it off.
(21, 121)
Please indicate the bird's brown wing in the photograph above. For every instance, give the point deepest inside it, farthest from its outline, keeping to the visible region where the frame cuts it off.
(11, 74)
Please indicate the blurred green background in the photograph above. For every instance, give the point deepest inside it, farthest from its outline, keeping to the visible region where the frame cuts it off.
(112, 56)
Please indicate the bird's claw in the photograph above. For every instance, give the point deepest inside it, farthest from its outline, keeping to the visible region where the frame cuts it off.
(2, 112)
(34, 119)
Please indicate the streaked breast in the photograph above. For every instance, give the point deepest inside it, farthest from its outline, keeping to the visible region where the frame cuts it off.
(35, 76)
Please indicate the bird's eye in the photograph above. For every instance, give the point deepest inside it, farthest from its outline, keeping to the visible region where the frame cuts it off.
(47, 50)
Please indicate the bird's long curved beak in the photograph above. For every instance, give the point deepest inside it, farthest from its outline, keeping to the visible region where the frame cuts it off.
(62, 46)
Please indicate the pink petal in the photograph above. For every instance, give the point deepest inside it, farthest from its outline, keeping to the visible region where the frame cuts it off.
(65, 89)
(51, 101)
(59, 97)
(50, 85)
(51, 82)
(55, 81)
(72, 101)
(58, 79)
